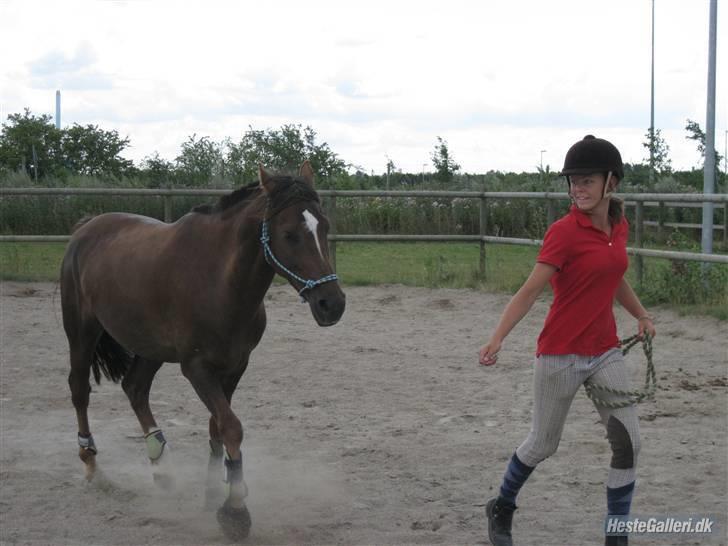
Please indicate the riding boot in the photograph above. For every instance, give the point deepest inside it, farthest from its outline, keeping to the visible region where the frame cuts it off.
(616, 541)
(500, 520)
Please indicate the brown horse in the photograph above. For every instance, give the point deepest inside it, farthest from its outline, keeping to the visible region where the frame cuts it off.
(137, 292)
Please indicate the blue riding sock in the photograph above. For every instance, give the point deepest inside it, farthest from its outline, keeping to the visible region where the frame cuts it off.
(516, 475)
(619, 499)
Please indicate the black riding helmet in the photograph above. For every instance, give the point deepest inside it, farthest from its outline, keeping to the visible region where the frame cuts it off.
(593, 155)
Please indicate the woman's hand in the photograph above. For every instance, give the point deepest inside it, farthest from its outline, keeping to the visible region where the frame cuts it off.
(489, 353)
(516, 309)
(644, 324)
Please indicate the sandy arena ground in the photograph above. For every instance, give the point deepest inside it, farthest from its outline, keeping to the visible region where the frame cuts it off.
(380, 430)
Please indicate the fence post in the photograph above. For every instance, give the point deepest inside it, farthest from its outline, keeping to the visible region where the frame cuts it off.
(661, 220)
(332, 229)
(550, 212)
(167, 206)
(638, 232)
(483, 230)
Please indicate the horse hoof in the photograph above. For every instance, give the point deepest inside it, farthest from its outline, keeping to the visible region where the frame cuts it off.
(90, 473)
(163, 481)
(235, 522)
(213, 497)
(89, 460)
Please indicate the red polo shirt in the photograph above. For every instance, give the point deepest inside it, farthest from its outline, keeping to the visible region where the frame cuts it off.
(590, 266)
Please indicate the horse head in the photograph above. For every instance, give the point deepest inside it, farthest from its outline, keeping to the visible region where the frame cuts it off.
(294, 237)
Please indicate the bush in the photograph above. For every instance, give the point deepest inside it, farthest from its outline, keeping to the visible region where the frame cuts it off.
(682, 282)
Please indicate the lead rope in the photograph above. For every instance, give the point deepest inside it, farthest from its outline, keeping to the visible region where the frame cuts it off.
(636, 396)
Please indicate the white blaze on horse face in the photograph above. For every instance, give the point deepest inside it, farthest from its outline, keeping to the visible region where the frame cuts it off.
(312, 226)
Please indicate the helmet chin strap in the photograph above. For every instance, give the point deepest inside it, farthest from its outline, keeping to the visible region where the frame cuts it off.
(606, 194)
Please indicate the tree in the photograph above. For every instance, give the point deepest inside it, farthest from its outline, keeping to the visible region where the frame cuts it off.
(445, 166)
(30, 144)
(199, 161)
(546, 176)
(282, 149)
(34, 145)
(157, 170)
(391, 166)
(696, 133)
(94, 152)
(654, 141)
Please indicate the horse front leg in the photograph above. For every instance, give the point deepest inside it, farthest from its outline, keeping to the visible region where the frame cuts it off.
(213, 489)
(233, 515)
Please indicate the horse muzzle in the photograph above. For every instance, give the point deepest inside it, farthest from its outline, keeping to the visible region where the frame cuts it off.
(327, 303)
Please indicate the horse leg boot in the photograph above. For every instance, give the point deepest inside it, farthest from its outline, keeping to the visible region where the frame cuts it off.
(159, 457)
(137, 383)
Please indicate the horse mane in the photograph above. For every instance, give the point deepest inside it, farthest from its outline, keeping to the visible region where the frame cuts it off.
(287, 190)
(240, 195)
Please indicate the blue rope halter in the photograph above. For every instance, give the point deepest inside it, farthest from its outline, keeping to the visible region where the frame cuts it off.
(308, 284)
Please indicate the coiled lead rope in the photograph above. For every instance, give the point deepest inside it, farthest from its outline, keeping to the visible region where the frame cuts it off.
(633, 397)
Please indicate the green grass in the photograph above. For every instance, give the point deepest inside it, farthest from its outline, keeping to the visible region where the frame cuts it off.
(451, 265)
(31, 261)
(441, 265)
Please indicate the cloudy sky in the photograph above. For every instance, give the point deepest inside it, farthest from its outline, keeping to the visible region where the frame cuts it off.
(499, 80)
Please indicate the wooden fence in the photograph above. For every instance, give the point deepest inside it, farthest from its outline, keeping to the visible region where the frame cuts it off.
(638, 200)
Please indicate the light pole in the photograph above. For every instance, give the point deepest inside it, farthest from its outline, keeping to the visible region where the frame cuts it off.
(389, 165)
(709, 166)
(652, 104)
(423, 173)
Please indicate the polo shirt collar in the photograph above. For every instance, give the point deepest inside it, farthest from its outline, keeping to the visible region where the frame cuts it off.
(582, 219)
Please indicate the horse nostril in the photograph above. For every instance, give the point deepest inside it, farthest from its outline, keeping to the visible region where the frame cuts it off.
(323, 305)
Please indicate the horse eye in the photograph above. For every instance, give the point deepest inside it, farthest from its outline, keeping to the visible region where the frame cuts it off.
(290, 236)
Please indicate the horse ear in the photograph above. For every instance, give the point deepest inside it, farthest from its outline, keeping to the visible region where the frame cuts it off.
(306, 172)
(264, 179)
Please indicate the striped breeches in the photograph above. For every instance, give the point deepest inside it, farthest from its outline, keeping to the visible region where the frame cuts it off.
(557, 378)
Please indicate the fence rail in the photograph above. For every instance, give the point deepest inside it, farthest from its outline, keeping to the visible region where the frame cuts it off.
(671, 198)
(638, 200)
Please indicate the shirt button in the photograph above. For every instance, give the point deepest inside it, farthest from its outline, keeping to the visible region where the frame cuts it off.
(610, 244)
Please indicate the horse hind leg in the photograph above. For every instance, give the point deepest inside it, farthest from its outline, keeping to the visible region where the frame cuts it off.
(91, 349)
(82, 349)
(137, 384)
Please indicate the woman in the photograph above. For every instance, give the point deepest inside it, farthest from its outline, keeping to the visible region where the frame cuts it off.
(584, 258)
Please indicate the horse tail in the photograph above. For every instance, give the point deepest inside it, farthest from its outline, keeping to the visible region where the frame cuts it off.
(111, 359)
(81, 222)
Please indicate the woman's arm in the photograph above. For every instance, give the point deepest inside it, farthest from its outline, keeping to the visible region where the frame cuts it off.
(516, 309)
(629, 300)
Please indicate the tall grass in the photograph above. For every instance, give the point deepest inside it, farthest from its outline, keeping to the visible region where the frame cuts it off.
(56, 215)
(686, 284)
(418, 215)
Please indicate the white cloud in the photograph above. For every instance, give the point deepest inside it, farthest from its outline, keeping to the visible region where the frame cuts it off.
(499, 80)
